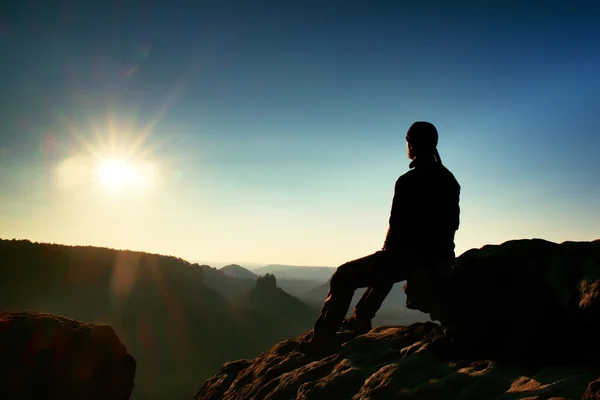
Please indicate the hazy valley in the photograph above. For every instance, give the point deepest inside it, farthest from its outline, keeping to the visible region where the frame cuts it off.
(179, 320)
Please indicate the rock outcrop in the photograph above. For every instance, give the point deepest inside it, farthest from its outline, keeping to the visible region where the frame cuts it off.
(45, 356)
(518, 321)
(267, 282)
(593, 391)
(519, 298)
(415, 362)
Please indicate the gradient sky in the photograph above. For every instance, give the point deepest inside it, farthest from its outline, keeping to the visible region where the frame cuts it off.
(274, 133)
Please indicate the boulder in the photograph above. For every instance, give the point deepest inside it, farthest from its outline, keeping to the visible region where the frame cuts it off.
(593, 391)
(518, 299)
(45, 356)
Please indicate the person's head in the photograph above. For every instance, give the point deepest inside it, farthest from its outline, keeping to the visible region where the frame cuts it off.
(421, 140)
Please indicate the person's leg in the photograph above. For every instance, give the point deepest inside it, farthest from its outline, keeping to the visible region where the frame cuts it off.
(372, 299)
(363, 272)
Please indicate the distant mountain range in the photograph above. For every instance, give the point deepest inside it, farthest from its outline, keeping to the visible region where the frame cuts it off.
(281, 271)
(319, 274)
(221, 264)
(237, 271)
(286, 279)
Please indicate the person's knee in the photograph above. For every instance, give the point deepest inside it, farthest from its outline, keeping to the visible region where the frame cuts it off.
(341, 277)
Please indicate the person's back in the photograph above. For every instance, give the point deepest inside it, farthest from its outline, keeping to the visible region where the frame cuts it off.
(425, 212)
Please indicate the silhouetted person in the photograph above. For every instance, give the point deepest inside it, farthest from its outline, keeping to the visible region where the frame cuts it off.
(423, 221)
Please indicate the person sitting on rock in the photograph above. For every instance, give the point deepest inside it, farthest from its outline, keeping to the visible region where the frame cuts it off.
(423, 221)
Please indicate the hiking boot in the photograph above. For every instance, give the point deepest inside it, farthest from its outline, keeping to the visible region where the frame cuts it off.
(358, 327)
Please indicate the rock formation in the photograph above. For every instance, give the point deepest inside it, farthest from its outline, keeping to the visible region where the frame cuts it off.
(518, 321)
(593, 391)
(520, 298)
(45, 356)
(268, 281)
(415, 362)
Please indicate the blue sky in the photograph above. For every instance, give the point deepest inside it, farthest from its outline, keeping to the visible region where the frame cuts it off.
(275, 133)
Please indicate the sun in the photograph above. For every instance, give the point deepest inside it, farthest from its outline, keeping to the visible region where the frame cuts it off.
(119, 174)
(112, 157)
(114, 173)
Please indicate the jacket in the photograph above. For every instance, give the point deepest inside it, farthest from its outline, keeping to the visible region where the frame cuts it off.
(425, 213)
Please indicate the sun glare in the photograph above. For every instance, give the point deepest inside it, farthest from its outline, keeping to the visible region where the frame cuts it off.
(117, 174)
(114, 174)
(115, 158)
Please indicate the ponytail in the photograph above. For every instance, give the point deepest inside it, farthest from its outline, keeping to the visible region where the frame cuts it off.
(436, 156)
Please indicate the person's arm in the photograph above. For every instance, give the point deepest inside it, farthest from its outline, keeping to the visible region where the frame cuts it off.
(394, 216)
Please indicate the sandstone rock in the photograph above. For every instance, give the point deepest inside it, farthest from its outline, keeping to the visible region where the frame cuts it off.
(519, 298)
(44, 356)
(267, 281)
(593, 391)
(415, 362)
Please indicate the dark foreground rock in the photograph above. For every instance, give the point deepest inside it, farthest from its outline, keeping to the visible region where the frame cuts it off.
(44, 356)
(593, 391)
(415, 362)
(531, 299)
(519, 320)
